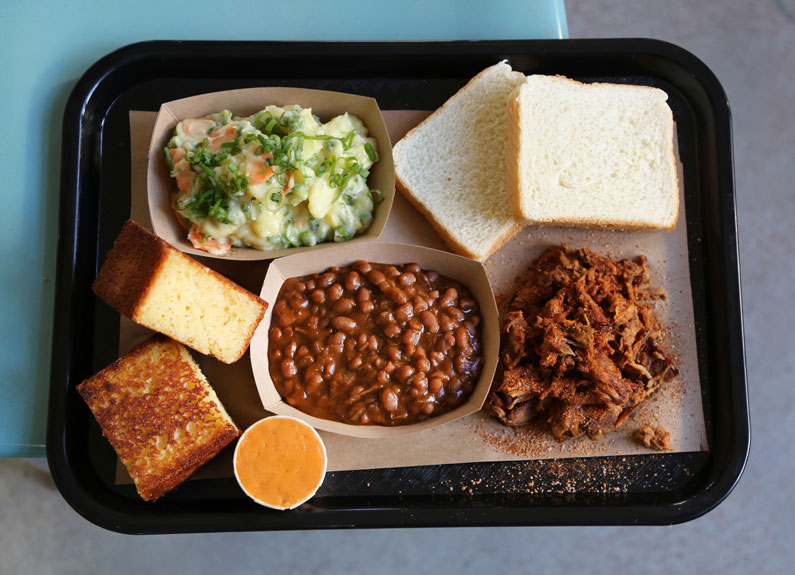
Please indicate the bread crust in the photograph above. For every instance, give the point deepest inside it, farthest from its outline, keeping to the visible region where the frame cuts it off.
(514, 178)
(448, 239)
(597, 223)
(124, 279)
(670, 129)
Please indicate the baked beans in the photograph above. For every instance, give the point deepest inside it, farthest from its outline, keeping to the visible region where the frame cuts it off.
(375, 344)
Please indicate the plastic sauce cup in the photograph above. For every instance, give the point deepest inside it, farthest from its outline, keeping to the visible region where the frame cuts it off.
(280, 462)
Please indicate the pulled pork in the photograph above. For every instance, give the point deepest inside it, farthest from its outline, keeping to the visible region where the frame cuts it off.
(653, 438)
(580, 345)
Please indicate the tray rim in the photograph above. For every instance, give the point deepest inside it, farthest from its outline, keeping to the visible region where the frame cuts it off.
(422, 515)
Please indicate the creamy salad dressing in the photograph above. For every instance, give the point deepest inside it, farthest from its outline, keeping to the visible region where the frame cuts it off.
(277, 179)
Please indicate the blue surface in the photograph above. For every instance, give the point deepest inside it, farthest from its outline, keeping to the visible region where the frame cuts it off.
(46, 46)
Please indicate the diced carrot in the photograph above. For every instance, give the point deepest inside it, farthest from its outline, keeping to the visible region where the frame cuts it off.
(207, 244)
(197, 127)
(260, 176)
(185, 175)
(221, 135)
(257, 170)
(176, 154)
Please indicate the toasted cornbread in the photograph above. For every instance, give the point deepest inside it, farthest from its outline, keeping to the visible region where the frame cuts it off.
(159, 413)
(159, 287)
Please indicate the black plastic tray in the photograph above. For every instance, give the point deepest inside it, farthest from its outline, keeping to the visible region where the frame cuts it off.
(95, 183)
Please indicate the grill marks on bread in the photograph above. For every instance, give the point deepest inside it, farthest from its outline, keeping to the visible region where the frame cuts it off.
(159, 413)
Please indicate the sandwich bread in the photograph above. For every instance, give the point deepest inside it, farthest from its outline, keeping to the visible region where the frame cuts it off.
(452, 166)
(591, 155)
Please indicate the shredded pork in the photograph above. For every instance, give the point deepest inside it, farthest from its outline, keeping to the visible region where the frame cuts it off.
(580, 345)
(653, 438)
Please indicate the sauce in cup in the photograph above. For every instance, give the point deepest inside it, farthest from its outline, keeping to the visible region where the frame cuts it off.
(280, 462)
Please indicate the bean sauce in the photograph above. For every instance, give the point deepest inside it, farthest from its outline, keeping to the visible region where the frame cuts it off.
(375, 344)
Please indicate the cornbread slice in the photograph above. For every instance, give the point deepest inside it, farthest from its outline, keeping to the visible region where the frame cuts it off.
(159, 413)
(159, 287)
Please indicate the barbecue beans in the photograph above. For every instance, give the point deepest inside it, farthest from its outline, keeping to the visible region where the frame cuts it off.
(375, 344)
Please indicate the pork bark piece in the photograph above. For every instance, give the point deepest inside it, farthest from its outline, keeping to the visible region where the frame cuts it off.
(580, 346)
(653, 438)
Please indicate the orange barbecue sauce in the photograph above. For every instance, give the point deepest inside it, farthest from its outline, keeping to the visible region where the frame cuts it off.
(280, 462)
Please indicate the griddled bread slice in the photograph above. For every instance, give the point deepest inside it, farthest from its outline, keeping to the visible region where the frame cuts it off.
(159, 287)
(592, 155)
(159, 413)
(452, 166)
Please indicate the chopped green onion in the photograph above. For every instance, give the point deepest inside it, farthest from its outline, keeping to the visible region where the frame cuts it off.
(238, 185)
(261, 119)
(167, 151)
(376, 196)
(232, 147)
(326, 165)
(370, 151)
(219, 210)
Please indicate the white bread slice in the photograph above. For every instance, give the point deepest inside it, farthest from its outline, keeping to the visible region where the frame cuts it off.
(452, 166)
(592, 155)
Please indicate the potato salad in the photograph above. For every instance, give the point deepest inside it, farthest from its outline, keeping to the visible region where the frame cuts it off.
(277, 179)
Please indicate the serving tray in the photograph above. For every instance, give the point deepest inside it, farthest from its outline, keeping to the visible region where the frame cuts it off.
(95, 201)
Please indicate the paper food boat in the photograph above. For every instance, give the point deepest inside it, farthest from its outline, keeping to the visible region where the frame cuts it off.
(324, 104)
(469, 272)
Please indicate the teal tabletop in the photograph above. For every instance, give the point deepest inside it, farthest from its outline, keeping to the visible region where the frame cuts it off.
(47, 45)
